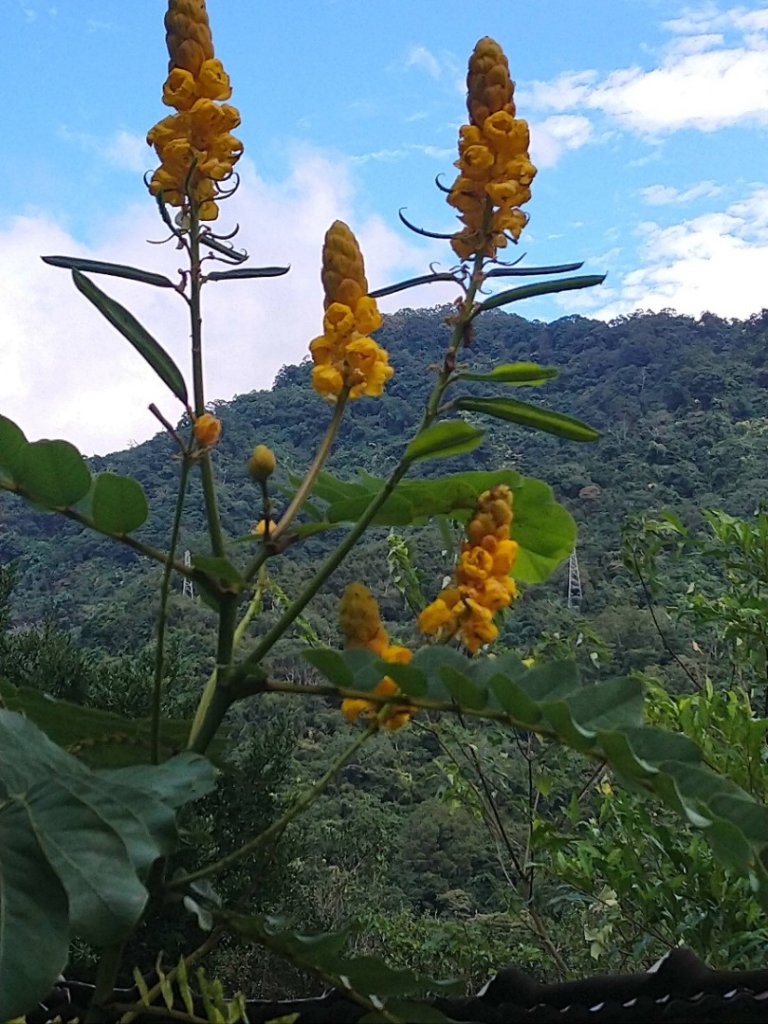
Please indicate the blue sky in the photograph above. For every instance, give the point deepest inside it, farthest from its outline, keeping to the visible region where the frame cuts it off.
(648, 125)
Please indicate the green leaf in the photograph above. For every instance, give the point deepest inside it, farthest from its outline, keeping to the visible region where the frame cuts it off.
(111, 269)
(544, 530)
(514, 374)
(85, 840)
(127, 324)
(100, 739)
(220, 570)
(331, 665)
(528, 291)
(34, 928)
(514, 700)
(453, 437)
(462, 689)
(118, 504)
(51, 473)
(529, 416)
(12, 441)
(410, 680)
(244, 272)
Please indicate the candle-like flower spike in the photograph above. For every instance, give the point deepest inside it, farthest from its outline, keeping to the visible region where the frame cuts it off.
(195, 145)
(344, 355)
(361, 626)
(495, 172)
(482, 584)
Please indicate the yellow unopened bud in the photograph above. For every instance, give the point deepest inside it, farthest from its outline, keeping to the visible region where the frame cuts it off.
(489, 86)
(343, 273)
(207, 430)
(262, 462)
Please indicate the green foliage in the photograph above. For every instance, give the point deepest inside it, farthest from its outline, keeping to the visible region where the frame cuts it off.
(77, 846)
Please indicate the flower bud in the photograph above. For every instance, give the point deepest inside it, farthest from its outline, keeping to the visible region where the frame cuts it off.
(207, 430)
(262, 462)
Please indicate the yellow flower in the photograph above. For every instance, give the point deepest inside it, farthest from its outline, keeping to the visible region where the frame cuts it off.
(494, 170)
(260, 528)
(343, 356)
(195, 146)
(483, 585)
(361, 626)
(207, 430)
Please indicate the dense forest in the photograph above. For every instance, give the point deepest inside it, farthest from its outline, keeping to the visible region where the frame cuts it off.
(456, 849)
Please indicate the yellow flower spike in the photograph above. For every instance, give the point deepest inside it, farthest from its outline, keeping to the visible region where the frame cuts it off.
(262, 463)
(198, 136)
(483, 585)
(207, 430)
(343, 355)
(361, 626)
(358, 616)
(494, 169)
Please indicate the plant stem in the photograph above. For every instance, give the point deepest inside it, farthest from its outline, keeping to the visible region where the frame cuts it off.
(311, 475)
(196, 330)
(162, 619)
(106, 976)
(277, 826)
(253, 607)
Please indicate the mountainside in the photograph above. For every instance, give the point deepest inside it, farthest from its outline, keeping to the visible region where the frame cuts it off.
(682, 404)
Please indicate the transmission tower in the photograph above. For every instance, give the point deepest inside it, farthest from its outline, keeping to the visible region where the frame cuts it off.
(574, 581)
(187, 590)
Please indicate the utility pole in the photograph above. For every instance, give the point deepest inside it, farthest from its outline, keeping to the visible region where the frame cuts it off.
(574, 581)
(187, 590)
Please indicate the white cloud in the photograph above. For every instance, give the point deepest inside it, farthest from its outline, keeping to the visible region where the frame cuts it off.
(716, 262)
(554, 135)
(421, 57)
(705, 79)
(122, 149)
(664, 195)
(66, 373)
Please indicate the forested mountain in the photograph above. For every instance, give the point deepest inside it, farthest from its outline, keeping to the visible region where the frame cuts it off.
(682, 405)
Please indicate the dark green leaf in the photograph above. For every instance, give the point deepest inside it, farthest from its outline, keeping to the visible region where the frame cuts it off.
(514, 374)
(614, 704)
(12, 441)
(111, 269)
(101, 739)
(543, 529)
(220, 570)
(450, 438)
(244, 272)
(528, 291)
(410, 680)
(529, 416)
(462, 689)
(127, 324)
(331, 665)
(118, 504)
(513, 699)
(51, 473)
(412, 282)
(34, 927)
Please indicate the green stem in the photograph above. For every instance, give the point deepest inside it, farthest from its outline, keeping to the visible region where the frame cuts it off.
(196, 329)
(228, 638)
(318, 462)
(162, 620)
(106, 976)
(255, 844)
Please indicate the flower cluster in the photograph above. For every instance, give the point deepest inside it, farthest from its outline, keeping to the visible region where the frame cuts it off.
(344, 355)
(207, 430)
(495, 173)
(195, 145)
(361, 626)
(482, 582)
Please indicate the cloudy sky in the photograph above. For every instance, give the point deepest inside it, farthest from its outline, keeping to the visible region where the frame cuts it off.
(648, 125)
